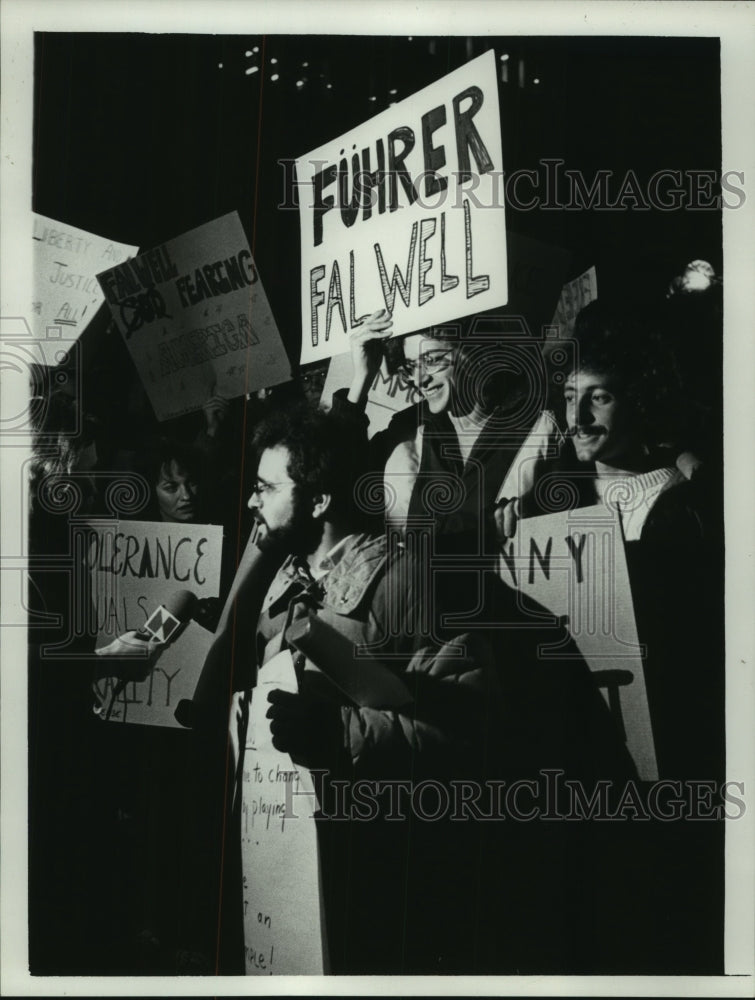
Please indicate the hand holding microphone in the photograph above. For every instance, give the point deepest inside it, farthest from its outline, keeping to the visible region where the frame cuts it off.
(138, 650)
(168, 621)
(139, 653)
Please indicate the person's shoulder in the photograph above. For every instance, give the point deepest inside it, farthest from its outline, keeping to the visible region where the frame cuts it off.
(405, 422)
(359, 567)
(678, 514)
(367, 547)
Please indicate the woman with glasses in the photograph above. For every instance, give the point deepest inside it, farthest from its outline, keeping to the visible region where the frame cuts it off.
(442, 460)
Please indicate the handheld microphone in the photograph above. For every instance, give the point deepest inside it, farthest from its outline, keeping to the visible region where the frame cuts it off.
(168, 620)
(163, 626)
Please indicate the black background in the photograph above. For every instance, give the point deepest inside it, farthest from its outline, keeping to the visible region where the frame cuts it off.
(142, 137)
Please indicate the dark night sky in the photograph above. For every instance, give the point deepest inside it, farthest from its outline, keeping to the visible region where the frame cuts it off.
(141, 137)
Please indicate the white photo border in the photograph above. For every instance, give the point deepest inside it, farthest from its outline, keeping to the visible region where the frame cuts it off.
(735, 26)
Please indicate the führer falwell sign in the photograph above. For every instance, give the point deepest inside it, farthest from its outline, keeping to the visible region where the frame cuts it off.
(406, 213)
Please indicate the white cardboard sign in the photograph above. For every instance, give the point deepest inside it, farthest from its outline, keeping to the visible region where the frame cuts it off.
(136, 566)
(284, 932)
(66, 261)
(573, 563)
(406, 212)
(196, 319)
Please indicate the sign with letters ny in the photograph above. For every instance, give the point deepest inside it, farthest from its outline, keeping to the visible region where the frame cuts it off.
(573, 563)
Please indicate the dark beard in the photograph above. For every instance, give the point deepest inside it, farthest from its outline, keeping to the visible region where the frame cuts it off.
(297, 538)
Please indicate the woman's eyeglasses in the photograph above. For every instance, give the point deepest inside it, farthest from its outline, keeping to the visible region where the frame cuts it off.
(430, 362)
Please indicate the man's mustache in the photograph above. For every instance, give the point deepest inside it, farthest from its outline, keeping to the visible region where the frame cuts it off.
(585, 429)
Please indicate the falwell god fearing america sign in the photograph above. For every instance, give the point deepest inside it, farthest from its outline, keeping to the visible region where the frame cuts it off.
(196, 319)
(406, 212)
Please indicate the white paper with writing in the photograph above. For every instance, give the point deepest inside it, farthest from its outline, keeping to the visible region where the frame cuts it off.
(573, 563)
(196, 319)
(427, 238)
(66, 260)
(136, 566)
(284, 931)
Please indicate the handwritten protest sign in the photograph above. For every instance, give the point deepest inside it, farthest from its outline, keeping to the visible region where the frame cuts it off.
(575, 295)
(283, 925)
(406, 212)
(387, 395)
(66, 261)
(573, 563)
(136, 567)
(196, 319)
(535, 276)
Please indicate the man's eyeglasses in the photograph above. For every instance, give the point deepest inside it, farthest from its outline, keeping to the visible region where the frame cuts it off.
(260, 488)
(430, 362)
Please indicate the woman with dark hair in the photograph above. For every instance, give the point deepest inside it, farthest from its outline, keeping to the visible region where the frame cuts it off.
(157, 773)
(177, 481)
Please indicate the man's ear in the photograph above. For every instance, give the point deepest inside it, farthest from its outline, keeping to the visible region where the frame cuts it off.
(321, 504)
